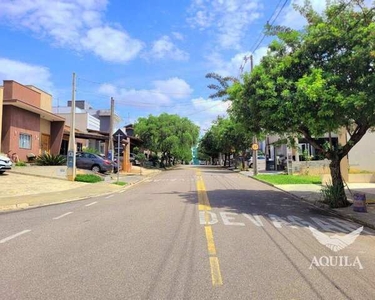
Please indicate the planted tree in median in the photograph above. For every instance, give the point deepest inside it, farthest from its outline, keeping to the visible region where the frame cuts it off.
(171, 135)
(315, 81)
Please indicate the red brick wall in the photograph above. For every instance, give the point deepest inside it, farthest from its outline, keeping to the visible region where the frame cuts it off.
(14, 90)
(16, 121)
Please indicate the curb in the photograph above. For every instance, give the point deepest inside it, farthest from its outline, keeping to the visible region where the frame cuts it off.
(26, 206)
(321, 206)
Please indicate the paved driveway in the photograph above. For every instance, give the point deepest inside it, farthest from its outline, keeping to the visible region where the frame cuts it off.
(19, 185)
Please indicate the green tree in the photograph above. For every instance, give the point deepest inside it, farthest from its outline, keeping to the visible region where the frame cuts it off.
(315, 81)
(225, 136)
(170, 135)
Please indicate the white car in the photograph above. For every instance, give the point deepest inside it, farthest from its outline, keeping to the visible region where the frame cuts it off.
(261, 160)
(5, 164)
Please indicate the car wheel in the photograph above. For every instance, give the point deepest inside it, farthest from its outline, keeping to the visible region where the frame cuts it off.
(2, 172)
(95, 169)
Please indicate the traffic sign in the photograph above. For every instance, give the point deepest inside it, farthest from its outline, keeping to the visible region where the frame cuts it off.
(254, 147)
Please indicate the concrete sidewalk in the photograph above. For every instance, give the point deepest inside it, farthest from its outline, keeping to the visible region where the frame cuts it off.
(30, 190)
(312, 194)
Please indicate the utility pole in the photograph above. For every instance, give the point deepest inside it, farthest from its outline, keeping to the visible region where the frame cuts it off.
(71, 161)
(255, 140)
(111, 145)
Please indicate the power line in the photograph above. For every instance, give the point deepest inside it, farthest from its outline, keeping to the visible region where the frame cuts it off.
(262, 36)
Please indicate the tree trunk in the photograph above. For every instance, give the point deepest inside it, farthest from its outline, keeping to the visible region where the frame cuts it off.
(243, 159)
(339, 196)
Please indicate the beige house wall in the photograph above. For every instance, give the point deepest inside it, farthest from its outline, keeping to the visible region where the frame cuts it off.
(45, 98)
(45, 126)
(81, 120)
(362, 155)
(1, 113)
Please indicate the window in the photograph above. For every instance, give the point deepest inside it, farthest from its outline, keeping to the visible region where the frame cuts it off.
(25, 141)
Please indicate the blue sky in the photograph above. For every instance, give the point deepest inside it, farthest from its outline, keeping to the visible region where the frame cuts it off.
(151, 56)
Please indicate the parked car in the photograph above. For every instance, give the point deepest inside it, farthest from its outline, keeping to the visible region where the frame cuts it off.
(261, 159)
(94, 162)
(5, 164)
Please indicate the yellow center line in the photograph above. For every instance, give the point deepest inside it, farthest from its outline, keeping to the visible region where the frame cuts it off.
(215, 272)
(210, 240)
(204, 204)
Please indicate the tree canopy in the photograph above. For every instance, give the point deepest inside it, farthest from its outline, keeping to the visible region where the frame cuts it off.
(170, 135)
(315, 81)
(225, 136)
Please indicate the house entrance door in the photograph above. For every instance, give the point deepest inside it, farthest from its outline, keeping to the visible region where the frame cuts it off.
(45, 143)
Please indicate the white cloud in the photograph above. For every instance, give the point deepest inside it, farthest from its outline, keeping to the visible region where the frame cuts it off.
(230, 18)
(165, 48)
(111, 44)
(174, 87)
(232, 67)
(76, 24)
(26, 74)
(211, 108)
(162, 94)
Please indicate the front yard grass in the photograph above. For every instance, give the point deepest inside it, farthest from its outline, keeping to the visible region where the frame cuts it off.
(90, 178)
(120, 183)
(290, 179)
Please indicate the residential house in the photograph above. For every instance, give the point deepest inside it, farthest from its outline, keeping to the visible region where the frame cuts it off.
(92, 126)
(27, 124)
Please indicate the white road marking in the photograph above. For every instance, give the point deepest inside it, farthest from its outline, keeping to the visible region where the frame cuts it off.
(92, 203)
(228, 217)
(62, 216)
(290, 221)
(110, 196)
(207, 218)
(255, 219)
(14, 236)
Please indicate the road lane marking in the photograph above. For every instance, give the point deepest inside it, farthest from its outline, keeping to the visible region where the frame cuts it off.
(217, 280)
(110, 196)
(14, 236)
(62, 216)
(204, 208)
(203, 202)
(92, 203)
(210, 240)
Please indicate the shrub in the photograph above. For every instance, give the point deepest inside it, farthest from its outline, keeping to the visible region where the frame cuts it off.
(90, 178)
(20, 164)
(332, 195)
(141, 158)
(50, 160)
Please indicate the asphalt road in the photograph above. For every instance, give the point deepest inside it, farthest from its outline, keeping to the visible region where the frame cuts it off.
(188, 233)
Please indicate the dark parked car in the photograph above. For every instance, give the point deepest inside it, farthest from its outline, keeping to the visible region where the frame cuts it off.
(94, 162)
